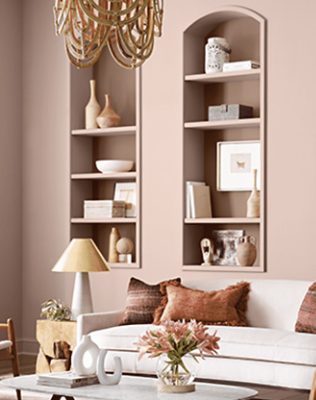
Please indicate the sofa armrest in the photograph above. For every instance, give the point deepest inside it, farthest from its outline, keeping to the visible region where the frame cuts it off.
(91, 322)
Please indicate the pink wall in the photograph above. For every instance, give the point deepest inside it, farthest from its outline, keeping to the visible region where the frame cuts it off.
(10, 161)
(291, 195)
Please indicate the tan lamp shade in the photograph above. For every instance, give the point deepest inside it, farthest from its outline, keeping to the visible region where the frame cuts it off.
(81, 255)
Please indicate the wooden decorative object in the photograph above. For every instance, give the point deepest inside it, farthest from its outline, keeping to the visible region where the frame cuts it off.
(253, 203)
(108, 117)
(57, 339)
(312, 395)
(175, 389)
(114, 238)
(92, 109)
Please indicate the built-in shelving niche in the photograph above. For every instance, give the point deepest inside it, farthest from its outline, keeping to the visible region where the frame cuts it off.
(245, 32)
(87, 146)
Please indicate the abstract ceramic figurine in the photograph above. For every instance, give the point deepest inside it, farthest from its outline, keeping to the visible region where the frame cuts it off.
(82, 364)
(207, 251)
(125, 249)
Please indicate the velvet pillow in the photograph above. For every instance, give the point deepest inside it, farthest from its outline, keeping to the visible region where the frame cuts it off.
(142, 301)
(306, 319)
(221, 307)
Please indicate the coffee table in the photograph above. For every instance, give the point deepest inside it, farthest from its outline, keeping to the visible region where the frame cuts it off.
(130, 388)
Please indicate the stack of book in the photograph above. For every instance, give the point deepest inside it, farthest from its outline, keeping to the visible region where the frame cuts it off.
(240, 66)
(67, 379)
(99, 209)
(198, 200)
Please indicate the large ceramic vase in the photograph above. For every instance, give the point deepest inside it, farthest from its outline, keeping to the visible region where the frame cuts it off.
(246, 251)
(176, 377)
(92, 109)
(253, 203)
(85, 356)
(108, 117)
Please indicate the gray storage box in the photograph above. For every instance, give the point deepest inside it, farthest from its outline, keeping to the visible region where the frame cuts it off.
(229, 111)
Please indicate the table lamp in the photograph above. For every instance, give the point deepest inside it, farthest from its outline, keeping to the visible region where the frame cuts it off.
(81, 256)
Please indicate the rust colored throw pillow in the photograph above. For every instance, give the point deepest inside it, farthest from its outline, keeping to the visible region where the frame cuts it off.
(306, 319)
(142, 301)
(221, 307)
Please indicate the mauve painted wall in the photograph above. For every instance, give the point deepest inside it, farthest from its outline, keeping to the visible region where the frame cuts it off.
(10, 161)
(291, 160)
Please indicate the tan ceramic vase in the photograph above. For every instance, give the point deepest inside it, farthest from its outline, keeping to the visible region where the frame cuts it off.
(92, 109)
(253, 203)
(108, 117)
(246, 251)
(114, 238)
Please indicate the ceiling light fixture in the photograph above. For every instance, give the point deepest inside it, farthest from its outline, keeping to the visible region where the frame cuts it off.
(127, 27)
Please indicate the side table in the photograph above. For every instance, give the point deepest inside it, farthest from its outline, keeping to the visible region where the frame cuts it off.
(57, 340)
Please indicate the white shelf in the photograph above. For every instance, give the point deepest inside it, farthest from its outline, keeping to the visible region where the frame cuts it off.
(227, 124)
(103, 221)
(222, 268)
(222, 220)
(116, 131)
(253, 74)
(100, 176)
(123, 266)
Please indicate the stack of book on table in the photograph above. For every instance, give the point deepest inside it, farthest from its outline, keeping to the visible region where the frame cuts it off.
(67, 379)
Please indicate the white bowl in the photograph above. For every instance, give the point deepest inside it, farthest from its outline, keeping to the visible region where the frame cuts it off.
(108, 166)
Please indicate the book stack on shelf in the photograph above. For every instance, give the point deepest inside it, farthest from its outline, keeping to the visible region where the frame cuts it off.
(67, 379)
(198, 200)
(245, 65)
(99, 209)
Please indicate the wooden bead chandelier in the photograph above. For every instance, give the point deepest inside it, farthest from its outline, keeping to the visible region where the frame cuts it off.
(127, 27)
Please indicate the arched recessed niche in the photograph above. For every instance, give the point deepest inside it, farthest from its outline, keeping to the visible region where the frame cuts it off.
(244, 29)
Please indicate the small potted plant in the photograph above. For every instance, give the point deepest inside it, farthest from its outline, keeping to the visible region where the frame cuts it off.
(54, 310)
(178, 346)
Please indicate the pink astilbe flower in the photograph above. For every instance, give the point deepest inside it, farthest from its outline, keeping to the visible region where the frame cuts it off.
(176, 339)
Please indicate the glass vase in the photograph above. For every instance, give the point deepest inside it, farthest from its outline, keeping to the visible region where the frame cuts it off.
(177, 374)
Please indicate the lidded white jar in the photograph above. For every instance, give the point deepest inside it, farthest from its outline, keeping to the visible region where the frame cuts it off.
(217, 51)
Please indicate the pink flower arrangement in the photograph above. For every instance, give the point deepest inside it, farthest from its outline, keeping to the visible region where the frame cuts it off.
(176, 339)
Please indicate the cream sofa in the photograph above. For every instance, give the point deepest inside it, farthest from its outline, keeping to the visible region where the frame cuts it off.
(269, 352)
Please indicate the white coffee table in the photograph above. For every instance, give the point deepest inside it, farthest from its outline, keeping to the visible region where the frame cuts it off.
(130, 388)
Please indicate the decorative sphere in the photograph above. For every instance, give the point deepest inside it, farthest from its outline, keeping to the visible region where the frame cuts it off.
(124, 246)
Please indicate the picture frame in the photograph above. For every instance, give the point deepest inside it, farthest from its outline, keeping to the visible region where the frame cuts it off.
(127, 191)
(235, 164)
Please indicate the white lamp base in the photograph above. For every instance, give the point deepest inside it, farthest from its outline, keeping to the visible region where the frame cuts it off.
(81, 298)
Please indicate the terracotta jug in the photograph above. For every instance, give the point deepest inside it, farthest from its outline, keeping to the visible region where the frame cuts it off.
(108, 117)
(253, 203)
(92, 109)
(246, 251)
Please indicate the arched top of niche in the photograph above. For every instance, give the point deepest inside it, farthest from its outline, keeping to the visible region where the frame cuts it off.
(210, 21)
(243, 28)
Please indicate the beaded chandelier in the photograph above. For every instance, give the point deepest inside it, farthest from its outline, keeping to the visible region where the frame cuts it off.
(127, 27)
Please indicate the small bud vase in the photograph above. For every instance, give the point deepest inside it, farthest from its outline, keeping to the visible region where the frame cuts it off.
(108, 117)
(92, 109)
(253, 203)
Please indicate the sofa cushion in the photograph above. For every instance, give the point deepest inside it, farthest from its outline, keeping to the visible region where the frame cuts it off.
(142, 301)
(218, 307)
(306, 319)
(236, 342)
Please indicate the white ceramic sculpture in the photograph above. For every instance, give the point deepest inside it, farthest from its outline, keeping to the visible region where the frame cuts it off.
(92, 109)
(103, 377)
(84, 357)
(207, 251)
(253, 203)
